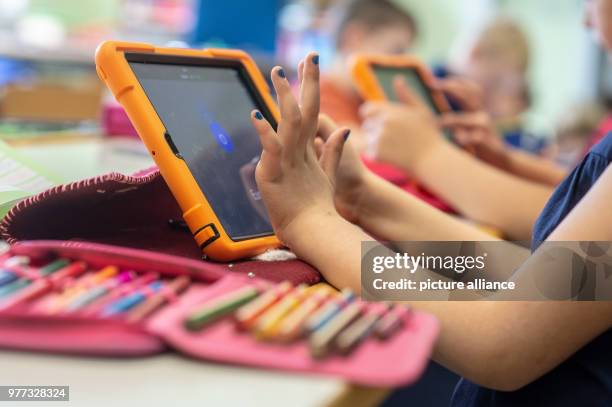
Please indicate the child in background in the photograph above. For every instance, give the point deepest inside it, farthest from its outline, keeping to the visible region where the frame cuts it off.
(367, 26)
(555, 354)
(498, 61)
(361, 26)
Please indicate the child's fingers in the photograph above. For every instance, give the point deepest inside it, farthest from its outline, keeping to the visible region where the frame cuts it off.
(332, 152)
(267, 135)
(300, 73)
(310, 97)
(326, 126)
(467, 93)
(463, 119)
(319, 144)
(404, 93)
(272, 148)
(289, 126)
(479, 120)
(461, 137)
(454, 120)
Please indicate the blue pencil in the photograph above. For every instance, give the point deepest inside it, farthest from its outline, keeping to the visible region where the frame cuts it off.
(7, 277)
(130, 301)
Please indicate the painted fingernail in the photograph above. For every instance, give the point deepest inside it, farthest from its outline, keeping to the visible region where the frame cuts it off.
(315, 59)
(347, 134)
(258, 115)
(281, 73)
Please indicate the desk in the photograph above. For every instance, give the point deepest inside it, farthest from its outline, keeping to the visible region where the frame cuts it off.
(167, 379)
(163, 380)
(77, 157)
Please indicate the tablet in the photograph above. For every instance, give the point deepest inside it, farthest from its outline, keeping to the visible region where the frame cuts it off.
(192, 110)
(374, 75)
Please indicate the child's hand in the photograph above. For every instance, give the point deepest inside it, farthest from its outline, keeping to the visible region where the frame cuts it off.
(475, 132)
(350, 175)
(468, 94)
(295, 185)
(400, 134)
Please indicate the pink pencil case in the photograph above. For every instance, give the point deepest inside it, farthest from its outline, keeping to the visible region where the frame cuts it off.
(397, 361)
(133, 222)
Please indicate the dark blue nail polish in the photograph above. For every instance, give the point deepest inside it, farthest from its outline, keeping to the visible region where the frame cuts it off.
(347, 134)
(281, 73)
(315, 59)
(258, 115)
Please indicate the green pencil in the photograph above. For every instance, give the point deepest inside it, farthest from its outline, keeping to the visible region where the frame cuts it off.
(24, 282)
(220, 307)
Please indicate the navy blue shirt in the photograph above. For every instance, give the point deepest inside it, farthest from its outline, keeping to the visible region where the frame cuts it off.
(585, 379)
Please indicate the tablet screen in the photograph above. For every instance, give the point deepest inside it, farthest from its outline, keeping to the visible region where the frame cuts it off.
(386, 75)
(205, 106)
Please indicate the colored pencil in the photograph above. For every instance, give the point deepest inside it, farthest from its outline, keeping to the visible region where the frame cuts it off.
(328, 311)
(247, 315)
(23, 282)
(128, 302)
(392, 322)
(321, 341)
(292, 325)
(86, 298)
(40, 287)
(359, 331)
(220, 307)
(153, 303)
(267, 325)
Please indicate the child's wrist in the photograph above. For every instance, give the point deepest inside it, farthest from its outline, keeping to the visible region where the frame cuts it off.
(306, 223)
(365, 190)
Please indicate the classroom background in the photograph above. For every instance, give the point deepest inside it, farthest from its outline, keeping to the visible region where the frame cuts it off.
(59, 122)
(46, 48)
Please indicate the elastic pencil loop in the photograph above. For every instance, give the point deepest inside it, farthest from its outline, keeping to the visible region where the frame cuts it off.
(168, 294)
(61, 285)
(148, 291)
(73, 282)
(26, 272)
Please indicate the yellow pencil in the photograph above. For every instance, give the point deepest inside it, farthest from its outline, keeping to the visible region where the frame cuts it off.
(267, 324)
(80, 287)
(248, 314)
(291, 327)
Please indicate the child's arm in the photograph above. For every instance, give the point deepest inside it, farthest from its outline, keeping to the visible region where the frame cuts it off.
(298, 188)
(408, 137)
(501, 345)
(506, 345)
(382, 209)
(474, 131)
(391, 214)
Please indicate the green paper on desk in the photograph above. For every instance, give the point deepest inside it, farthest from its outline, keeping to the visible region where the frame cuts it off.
(20, 178)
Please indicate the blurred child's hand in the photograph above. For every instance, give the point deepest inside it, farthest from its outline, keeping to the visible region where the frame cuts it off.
(296, 185)
(476, 132)
(351, 173)
(400, 134)
(466, 93)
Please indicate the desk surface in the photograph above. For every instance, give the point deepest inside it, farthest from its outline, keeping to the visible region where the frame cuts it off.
(167, 379)
(83, 157)
(164, 380)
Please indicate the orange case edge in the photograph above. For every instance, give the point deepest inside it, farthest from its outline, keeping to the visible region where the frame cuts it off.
(114, 70)
(368, 86)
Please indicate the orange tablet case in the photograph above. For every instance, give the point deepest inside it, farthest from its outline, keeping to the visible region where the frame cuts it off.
(113, 68)
(370, 89)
